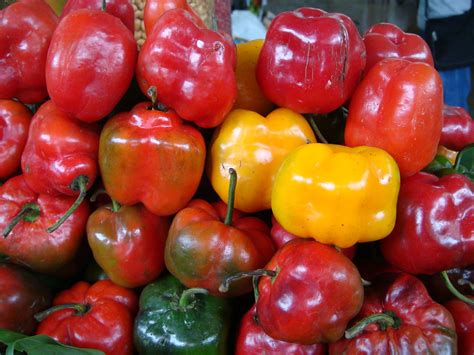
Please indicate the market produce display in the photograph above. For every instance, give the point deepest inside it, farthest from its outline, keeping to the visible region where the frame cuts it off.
(305, 193)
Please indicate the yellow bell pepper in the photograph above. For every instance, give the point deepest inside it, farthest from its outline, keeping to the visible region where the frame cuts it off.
(336, 194)
(254, 146)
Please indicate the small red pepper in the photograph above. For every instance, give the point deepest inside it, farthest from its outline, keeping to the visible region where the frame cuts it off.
(26, 28)
(15, 121)
(458, 128)
(463, 315)
(98, 316)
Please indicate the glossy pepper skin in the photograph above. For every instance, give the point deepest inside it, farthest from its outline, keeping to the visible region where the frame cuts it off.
(463, 315)
(435, 224)
(458, 128)
(337, 195)
(311, 60)
(201, 251)
(386, 40)
(26, 28)
(128, 243)
(152, 157)
(22, 297)
(172, 322)
(315, 292)
(195, 74)
(102, 319)
(251, 339)
(255, 146)
(59, 149)
(420, 325)
(15, 121)
(29, 244)
(89, 86)
(398, 108)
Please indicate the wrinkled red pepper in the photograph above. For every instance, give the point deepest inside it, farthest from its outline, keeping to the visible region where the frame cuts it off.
(463, 315)
(458, 128)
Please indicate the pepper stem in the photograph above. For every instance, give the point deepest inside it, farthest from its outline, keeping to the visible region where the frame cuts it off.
(104, 5)
(79, 183)
(231, 196)
(78, 307)
(188, 295)
(384, 320)
(155, 105)
(316, 130)
(115, 206)
(29, 212)
(224, 287)
(453, 289)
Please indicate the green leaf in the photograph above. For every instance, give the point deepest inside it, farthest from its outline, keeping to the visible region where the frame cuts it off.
(465, 162)
(438, 164)
(39, 345)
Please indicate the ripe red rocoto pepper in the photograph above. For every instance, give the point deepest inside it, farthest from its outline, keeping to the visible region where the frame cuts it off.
(24, 217)
(386, 40)
(98, 316)
(434, 230)
(90, 64)
(311, 61)
(399, 317)
(398, 107)
(26, 28)
(191, 67)
(463, 315)
(314, 293)
(15, 121)
(458, 128)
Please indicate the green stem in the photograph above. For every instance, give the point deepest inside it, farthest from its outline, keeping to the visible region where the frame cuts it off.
(316, 130)
(78, 184)
(78, 307)
(155, 105)
(104, 5)
(115, 206)
(453, 289)
(188, 295)
(224, 287)
(382, 319)
(29, 212)
(231, 196)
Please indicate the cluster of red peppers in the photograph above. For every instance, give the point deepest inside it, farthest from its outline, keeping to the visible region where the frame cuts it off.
(360, 179)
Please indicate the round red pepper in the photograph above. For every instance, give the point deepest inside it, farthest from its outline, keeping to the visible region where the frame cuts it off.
(15, 121)
(311, 61)
(98, 316)
(26, 28)
(458, 128)
(463, 315)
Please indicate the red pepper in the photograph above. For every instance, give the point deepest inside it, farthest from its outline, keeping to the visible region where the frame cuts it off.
(434, 230)
(90, 64)
(14, 124)
(401, 319)
(314, 292)
(150, 156)
(386, 40)
(122, 9)
(191, 67)
(24, 216)
(98, 316)
(458, 128)
(26, 28)
(311, 61)
(128, 242)
(398, 108)
(463, 315)
(251, 339)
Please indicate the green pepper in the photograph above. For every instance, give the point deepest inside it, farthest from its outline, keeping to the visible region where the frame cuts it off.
(176, 320)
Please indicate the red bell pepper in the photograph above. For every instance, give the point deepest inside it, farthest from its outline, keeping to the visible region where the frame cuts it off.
(90, 64)
(128, 242)
(458, 128)
(150, 156)
(98, 316)
(191, 67)
(434, 230)
(463, 315)
(26, 28)
(24, 216)
(251, 339)
(386, 40)
(314, 292)
(399, 317)
(311, 61)
(15, 121)
(398, 108)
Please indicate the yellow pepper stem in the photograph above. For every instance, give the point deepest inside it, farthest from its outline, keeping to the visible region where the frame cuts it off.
(231, 197)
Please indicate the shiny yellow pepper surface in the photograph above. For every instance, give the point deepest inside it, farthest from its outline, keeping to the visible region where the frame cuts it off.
(255, 147)
(336, 194)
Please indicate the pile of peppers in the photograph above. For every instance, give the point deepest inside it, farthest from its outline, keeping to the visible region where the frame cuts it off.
(305, 193)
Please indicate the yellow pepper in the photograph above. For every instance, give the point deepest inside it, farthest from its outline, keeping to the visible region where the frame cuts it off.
(254, 146)
(336, 194)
